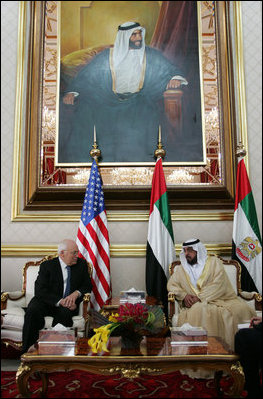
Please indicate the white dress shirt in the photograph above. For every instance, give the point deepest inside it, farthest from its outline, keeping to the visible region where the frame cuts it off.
(65, 276)
(64, 273)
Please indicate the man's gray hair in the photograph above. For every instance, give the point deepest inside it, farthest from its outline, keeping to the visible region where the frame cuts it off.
(62, 246)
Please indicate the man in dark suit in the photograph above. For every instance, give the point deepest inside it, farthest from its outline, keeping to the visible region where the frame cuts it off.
(248, 344)
(59, 289)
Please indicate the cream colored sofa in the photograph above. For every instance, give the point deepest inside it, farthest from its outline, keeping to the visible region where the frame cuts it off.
(13, 306)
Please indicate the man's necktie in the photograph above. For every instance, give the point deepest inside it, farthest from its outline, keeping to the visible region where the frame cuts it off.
(67, 290)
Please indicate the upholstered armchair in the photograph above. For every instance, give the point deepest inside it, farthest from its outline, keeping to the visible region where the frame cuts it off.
(233, 270)
(13, 306)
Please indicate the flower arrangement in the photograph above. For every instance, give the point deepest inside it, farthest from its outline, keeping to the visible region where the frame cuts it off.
(132, 320)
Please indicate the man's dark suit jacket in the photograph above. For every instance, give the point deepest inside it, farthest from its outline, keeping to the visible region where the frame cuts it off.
(49, 284)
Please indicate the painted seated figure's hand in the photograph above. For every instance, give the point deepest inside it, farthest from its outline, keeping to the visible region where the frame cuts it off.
(174, 84)
(69, 98)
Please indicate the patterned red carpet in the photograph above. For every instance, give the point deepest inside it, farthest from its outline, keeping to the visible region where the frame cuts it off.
(79, 384)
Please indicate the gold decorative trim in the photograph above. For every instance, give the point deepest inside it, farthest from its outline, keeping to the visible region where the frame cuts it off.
(241, 92)
(201, 72)
(122, 217)
(22, 369)
(131, 372)
(17, 192)
(18, 109)
(237, 368)
(86, 297)
(258, 297)
(4, 297)
(116, 251)
(13, 344)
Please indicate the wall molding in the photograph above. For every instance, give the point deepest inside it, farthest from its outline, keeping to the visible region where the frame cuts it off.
(123, 216)
(116, 250)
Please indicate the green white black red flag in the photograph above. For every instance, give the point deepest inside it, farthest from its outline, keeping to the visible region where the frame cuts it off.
(160, 241)
(246, 242)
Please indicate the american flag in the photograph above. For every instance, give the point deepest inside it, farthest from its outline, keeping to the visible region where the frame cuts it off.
(93, 239)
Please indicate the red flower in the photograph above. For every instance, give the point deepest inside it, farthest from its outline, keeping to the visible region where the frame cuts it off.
(133, 313)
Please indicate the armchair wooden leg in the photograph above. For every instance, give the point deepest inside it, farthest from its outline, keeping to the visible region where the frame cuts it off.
(87, 327)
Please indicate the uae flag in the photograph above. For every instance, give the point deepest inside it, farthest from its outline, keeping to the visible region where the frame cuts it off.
(246, 244)
(160, 242)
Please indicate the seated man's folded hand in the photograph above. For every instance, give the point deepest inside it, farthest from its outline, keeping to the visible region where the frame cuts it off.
(190, 300)
(70, 301)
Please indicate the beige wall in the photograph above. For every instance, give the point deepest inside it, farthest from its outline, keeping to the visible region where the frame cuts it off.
(126, 271)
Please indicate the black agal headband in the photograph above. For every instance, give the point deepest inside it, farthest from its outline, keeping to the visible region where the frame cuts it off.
(129, 27)
(188, 244)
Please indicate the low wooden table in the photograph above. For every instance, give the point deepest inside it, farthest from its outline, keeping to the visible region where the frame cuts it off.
(156, 356)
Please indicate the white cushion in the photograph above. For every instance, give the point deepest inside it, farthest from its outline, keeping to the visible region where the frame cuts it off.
(78, 322)
(15, 310)
(13, 318)
(48, 322)
(250, 303)
(31, 276)
(19, 303)
(12, 335)
(232, 275)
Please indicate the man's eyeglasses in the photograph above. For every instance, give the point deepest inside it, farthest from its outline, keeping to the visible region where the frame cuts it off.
(71, 252)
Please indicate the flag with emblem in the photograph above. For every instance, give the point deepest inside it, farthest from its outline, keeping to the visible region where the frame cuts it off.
(246, 242)
(93, 239)
(160, 242)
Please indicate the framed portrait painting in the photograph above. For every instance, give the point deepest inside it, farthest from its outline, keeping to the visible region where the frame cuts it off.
(129, 77)
(126, 90)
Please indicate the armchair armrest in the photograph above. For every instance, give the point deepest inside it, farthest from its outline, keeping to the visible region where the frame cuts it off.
(174, 308)
(13, 296)
(171, 306)
(86, 302)
(248, 296)
(171, 297)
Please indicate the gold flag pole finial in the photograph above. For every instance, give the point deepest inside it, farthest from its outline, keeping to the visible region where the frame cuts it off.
(159, 152)
(240, 152)
(95, 151)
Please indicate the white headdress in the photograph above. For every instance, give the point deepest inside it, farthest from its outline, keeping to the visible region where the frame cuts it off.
(121, 45)
(194, 271)
(198, 247)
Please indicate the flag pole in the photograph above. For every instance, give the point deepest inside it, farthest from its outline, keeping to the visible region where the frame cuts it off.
(160, 151)
(241, 151)
(95, 151)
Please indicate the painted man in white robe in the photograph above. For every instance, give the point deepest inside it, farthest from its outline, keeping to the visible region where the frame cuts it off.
(120, 91)
(205, 294)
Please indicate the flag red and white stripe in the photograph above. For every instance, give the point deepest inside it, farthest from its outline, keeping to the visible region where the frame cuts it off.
(93, 239)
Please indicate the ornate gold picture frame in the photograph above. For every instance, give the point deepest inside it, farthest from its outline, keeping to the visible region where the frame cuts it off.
(208, 184)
